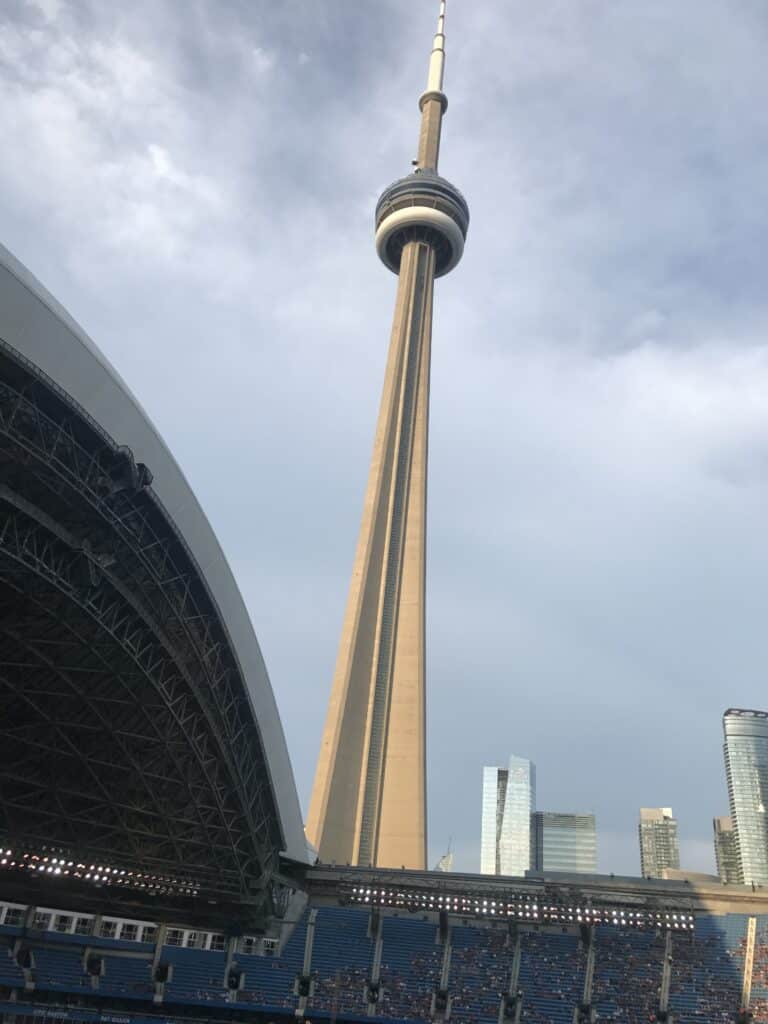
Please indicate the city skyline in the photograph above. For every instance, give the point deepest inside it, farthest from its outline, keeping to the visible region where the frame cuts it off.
(597, 446)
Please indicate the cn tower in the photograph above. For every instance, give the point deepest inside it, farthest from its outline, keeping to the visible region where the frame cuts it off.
(368, 803)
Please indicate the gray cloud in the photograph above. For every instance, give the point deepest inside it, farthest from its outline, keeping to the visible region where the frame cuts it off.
(197, 188)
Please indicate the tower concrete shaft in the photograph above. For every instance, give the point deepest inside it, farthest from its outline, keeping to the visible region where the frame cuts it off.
(368, 803)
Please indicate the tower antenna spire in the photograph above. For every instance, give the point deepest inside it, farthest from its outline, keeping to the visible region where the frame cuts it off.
(437, 61)
(433, 103)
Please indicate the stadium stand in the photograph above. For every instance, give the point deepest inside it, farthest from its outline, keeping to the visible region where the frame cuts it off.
(196, 975)
(269, 980)
(11, 975)
(127, 976)
(100, 974)
(551, 977)
(480, 966)
(56, 968)
(759, 1005)
(707, 970)
(627, 974)
(410, 968)
(342, 959)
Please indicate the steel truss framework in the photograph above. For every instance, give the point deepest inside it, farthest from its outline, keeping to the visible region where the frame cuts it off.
(126, 736)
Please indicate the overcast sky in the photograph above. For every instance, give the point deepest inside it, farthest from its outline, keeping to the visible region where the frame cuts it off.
(195, 181)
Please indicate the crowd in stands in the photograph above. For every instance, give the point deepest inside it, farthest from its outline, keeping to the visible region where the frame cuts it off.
(706, 971)
(627, 978)
(269, 981)
(551, 977)
(759, 1004)
(410, 968)
(480, 972)
(342, 958)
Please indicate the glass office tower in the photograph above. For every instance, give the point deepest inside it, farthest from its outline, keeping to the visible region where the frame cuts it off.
(564, 842)
(746, 769)
(509, 797)
(658, 841)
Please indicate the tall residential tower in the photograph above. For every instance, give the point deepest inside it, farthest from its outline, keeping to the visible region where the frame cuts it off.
(658, 841)
(746, 768)
(726, 850)
(368, 803)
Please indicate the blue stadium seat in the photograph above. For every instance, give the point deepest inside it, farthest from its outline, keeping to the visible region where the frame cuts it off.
(627, 979)
(480, 968)
(410, 968)
(59, 969)
(269, 980)
(128, 977)
(197, 976)
(11, 975)
(342, 958)
(551, 977)
(707, 971)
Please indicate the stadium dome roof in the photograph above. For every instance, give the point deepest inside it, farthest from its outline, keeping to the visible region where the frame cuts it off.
(139, 726)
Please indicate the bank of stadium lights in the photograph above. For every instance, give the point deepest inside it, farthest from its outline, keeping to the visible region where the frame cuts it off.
(99, 874)
(520, 910)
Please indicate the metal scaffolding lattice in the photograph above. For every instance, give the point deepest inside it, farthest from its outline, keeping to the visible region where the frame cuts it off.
(127, 734)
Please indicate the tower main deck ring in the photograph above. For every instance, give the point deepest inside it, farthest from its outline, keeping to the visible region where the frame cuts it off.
(422, 207)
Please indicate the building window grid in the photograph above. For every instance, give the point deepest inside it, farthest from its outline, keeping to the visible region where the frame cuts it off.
(508, 799)
(659, 847)
(746, 762)
(564, 842)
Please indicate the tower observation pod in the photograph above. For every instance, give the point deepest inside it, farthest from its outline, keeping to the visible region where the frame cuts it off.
(368, 803)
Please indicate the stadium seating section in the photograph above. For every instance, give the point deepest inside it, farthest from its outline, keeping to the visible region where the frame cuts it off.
(627, 974)
(412, 956)
(759, 1005)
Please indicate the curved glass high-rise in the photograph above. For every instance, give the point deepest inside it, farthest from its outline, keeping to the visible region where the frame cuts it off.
(746, 768)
